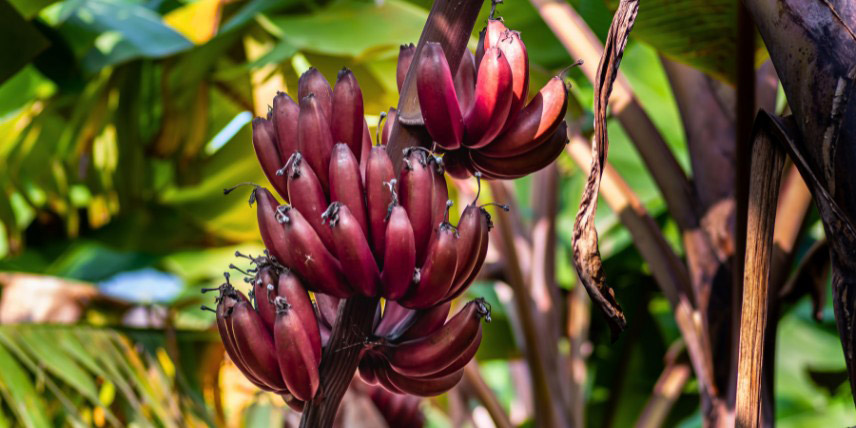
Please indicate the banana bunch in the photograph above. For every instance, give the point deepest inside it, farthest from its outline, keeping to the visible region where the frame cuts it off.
(479, 118)
(350, 226)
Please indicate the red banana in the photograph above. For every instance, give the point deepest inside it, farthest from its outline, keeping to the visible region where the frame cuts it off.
(439, 194)
(264, 143)
(493, 33)
(346, 186)
(347, 120)
(381, 372)
(352, 249)
(525, 163)
(534, 123)
(435, 87)
(405, 57)
(307, 196)
(518, 60)
(285, 112)
(415, 189)
(308, 256)
(294, 352)
(227, 300)
(435, 277)
(461, 360)
(313, 82)
(255, 345)
(431, 354)
(399, 254)
(425, 322)
(290, 288)
(460, 286)
(272, 232)
(492, 103)
(264, 290)
(472, 235)
(366, 369)
(379, 171)
(314, 139)
(427, 387)
(292, 402)
(465, 81)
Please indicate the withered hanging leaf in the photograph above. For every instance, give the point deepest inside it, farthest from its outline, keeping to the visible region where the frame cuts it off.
(586, 253)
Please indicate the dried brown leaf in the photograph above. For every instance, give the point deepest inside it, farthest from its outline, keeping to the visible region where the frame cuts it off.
(586, 254)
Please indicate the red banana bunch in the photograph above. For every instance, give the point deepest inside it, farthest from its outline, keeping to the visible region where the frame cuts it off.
(351, 226)
(419, 352)
(273, 337)
(479, 117)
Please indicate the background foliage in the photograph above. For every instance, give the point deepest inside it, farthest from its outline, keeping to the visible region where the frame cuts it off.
(121, 121)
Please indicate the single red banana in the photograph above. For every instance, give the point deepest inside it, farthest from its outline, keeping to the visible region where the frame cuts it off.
(290, 288)
(435, 277)
(307, 196)
(347, 120)
(518, 60)
(272, 232)
(395, 320)
(538, 121)
(399, 255)
(525, 163)
(328, 308)
(493, 33)
(352, 249)
(461, 285)
(255, 345)
(435, 87)
(405, 57)
(415, 188)
(431, 354)
(382, 371)
(425, 322)
(465, 81)
(264, 290)
(285, 113)
(294, 353)
(379, 171)
(461, 360)
(440, 202)
(427, 387)
(228, 299)
(313, 82)
(472, 228)
(346, 186)
(387, 126)
(486, 118)
(264, 143)
(314, 139)
(309, 258)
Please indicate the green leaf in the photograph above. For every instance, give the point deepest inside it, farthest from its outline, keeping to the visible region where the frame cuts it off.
(355, 29)
(30, 8)
(18, 389)
(21, 41)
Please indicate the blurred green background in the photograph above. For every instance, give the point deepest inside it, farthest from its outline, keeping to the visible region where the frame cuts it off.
(121, 121)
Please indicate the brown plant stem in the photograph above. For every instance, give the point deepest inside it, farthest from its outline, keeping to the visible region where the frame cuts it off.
(667, 390)
(477, 385)
(340, 360)
(523, 305)
(666, 267)
(767, 162)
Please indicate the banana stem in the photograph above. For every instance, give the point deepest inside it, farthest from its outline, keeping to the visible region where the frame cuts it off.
(341, 358)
